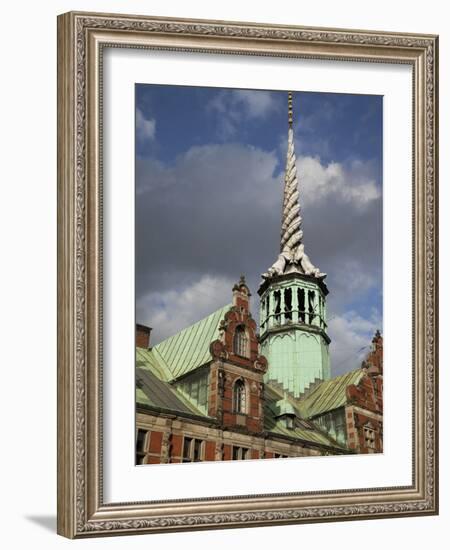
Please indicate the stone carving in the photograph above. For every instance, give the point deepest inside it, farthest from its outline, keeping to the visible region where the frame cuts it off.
(217, 350)
(261, 364)
(219, 450)
(165, 447)
(307, 266)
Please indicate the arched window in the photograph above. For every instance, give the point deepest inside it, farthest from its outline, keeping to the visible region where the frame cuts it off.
(240, 346)
(239, 397)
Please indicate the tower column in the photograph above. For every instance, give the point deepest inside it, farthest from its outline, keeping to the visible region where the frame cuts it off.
(295, 312)
(315, 308)
(271, 310)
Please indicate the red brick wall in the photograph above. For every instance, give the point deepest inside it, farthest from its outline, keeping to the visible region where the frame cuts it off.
(210, 450)
(356, 421)
(213, 393)
(155, 442)
(176, 448)
(367, 394)
(362, 420)
(143, 336)
(252, 419)
(375, 357)
(223, 373)
(227, 452)
(155, 451)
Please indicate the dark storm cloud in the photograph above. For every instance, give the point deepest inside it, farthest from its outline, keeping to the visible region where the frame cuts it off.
(213, 212)
(216, 212)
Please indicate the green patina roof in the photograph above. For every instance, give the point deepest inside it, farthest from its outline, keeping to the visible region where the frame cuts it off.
(312, 435)
(304, 429)
(185, 351)
(152, 391)
(328, 395)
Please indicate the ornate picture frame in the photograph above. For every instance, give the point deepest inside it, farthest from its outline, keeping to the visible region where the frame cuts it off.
(82, 38)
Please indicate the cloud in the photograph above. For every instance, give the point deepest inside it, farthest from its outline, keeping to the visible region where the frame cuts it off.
(145, 128)
(204, 215)
(256, 104)
(351, 335)
(352, 184)
(236, 106)
(214, 213)
(170, 311)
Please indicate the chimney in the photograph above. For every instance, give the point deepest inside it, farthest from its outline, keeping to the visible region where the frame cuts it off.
(142, 336)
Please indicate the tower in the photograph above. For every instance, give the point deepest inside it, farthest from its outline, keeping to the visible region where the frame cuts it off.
(237, 369)
(293, 328)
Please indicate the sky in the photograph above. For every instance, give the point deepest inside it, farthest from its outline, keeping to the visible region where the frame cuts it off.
(209, 183)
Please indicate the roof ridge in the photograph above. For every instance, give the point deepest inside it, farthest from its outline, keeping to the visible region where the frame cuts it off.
(319, 400)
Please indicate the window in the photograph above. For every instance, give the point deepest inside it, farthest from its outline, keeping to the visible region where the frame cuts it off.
(289, 422)
(239, 397)
(311, 306)
(369, 437)
(141, 446)
(277, 455)
(301, 304)
(192, 449)
(240, 342)
(288, 304)
(240, 453)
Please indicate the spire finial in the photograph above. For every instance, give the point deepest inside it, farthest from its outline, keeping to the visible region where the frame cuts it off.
(290, 111)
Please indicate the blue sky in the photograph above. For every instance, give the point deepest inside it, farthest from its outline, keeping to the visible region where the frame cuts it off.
(209, 170)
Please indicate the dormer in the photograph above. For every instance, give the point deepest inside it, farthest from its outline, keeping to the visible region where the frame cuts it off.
(285, 412)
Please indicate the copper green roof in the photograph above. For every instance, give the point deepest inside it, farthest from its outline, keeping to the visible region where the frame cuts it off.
(152, 391)
(311, 434)
(328, 395)
(185, 351)
(304, 429)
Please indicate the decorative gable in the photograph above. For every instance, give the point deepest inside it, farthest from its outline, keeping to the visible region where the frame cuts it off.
(237, 369)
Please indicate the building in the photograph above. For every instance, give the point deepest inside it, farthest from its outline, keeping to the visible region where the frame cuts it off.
(219, 390)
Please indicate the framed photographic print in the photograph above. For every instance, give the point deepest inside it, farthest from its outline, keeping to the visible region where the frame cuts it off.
(247, 274)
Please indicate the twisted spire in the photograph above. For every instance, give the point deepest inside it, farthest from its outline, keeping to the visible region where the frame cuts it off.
(291, 221)
(292, 257)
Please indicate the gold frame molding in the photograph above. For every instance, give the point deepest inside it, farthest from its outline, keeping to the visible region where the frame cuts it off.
(81, 38)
